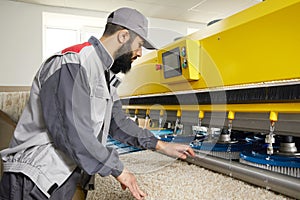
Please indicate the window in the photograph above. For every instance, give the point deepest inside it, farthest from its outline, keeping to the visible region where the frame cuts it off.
(62, 31)
(57, 39)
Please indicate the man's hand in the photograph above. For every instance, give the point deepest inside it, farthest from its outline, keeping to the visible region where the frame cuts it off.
(128, 180)
(175, 150)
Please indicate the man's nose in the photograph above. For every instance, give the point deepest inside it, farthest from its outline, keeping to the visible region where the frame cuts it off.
(138, 52)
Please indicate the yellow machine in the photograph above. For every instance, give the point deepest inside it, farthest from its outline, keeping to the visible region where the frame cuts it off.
(241, 73)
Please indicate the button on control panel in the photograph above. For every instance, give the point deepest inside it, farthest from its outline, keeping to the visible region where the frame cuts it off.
(184, 63)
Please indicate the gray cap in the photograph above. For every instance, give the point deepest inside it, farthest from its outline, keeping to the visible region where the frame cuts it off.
(132, 20)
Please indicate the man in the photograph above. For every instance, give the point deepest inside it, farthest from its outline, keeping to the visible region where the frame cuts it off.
(73, 106)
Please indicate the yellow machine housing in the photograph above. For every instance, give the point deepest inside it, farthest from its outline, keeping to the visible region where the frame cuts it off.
(257, 45)
(240, 74)
(256, 48)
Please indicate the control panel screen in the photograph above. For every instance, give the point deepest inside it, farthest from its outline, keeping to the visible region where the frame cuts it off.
(171, 63)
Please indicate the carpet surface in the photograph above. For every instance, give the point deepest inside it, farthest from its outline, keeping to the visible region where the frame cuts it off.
(164, 178)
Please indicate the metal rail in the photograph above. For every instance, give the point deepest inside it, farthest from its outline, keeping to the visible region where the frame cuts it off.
(280, 183)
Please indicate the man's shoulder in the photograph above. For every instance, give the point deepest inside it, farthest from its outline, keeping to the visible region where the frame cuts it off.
(76, 48)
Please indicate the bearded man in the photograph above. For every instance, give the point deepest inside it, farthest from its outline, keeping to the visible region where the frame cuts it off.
(73, 107)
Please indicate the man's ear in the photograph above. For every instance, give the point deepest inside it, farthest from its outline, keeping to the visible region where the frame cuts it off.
(123, 36)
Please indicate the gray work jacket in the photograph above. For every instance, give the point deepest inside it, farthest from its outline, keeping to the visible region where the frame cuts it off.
(69, 109)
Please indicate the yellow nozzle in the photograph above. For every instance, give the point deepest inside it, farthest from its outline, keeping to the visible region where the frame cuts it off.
(231, 115)
(127, 111)
(201, 114)
(136, 111)
(178, 113)
(148, 112)
(161, 112)
(273, 116)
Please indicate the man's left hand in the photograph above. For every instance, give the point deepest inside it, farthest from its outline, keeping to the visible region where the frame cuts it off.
(175, 150)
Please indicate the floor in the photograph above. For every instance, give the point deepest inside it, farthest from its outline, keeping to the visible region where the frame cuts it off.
(163, 178)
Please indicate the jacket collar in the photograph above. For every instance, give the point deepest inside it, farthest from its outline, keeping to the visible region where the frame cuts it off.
(103, 54)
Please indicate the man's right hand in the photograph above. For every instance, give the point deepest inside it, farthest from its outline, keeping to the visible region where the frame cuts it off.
(128, 180)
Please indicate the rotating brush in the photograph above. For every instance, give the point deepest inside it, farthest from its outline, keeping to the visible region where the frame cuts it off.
(288, 165)
(285, 159)
(222, 145)
(222, 150)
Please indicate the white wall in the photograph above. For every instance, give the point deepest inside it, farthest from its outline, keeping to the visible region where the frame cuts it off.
(21, 40)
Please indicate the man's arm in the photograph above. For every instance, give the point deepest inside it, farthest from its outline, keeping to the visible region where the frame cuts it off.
(126, 131)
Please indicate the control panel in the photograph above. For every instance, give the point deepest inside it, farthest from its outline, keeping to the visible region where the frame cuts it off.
(180, 61)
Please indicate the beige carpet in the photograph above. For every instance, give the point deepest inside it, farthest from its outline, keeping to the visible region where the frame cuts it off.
(164, 178)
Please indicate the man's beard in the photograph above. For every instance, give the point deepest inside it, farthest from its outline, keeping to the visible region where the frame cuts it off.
(122, 63)
(123, 60)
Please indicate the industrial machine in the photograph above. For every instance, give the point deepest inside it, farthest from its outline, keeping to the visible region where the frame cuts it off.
(231, 91)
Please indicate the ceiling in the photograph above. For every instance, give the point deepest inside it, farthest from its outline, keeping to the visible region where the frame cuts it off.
(195, 11)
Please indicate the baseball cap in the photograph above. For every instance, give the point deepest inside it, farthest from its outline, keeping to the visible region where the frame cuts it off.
(132, 20)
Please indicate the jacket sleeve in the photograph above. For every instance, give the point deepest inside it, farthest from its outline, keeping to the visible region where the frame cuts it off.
(66, 107)
(126, 131)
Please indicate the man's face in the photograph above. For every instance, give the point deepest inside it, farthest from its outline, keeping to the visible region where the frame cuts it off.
(130, 51)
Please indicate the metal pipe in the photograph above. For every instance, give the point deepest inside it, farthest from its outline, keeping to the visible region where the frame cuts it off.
(280, 183)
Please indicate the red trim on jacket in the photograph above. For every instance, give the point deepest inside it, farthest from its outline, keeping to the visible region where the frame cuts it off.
(76, 48)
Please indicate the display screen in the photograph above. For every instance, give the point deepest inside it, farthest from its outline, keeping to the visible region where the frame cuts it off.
(171, 63)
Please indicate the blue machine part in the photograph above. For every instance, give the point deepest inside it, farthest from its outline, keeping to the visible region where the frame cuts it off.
(256, 139)
(168, 136)
(121, 147)
(186, 139)
(162, 132)
(221, 147)
(272, 160)
(164, 135)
